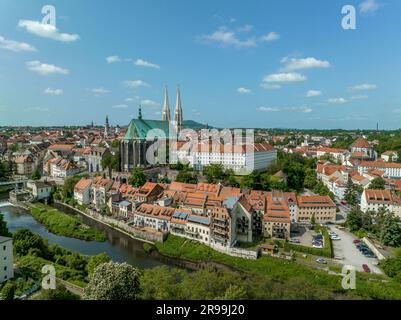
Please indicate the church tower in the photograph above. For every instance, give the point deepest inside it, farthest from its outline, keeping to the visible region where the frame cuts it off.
(166, 107)
(178, 118)
(106, 127)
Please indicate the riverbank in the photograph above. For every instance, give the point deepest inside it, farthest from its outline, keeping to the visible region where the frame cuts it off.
(63, 224)
(110, 222)
(368, 286)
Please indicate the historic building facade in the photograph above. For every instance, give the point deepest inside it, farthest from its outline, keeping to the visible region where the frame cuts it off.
(138, 138)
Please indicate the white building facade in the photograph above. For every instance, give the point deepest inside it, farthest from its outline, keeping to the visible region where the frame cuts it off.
(6, 259)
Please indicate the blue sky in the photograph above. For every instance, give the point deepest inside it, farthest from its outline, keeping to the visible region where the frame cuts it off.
(286, 63)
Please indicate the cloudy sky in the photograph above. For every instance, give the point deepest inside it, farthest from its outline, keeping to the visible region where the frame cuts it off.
(239, 63)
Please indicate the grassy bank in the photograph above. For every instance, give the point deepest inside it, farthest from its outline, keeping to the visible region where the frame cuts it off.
(63, 224)
(367, 286)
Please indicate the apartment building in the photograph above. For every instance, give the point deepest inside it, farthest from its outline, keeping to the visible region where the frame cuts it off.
(6, 259)
(82, 191)
(321, 207)
(391, 169)
(373, 200)
(242, 159)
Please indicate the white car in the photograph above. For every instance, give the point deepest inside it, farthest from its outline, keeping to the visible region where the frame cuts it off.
(335, 238)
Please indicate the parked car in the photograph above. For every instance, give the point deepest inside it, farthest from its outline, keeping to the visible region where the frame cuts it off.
(366, 268)
(317, 245)
(321, 260)
(357, 241)
(335, 238)
(369, 255)
(294, 241)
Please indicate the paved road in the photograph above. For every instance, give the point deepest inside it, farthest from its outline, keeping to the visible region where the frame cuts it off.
(346, 251)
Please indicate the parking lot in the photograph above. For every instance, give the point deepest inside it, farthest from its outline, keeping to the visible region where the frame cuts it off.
(346, 251)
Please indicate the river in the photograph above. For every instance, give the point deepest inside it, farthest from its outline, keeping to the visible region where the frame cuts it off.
(119, 247)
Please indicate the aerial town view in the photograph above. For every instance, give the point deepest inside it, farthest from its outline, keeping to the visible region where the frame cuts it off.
(200, 150)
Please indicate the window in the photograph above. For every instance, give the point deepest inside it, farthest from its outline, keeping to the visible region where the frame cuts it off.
(4, 248)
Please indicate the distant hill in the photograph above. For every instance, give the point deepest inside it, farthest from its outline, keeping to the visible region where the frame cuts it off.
(194, 125)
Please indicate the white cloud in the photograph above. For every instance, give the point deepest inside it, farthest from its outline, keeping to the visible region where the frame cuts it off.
(292, 64)
(46, 31)
(369, 6)
(300, 109)
(143, 63)
(149, 103)
(45, 69)
(284, 77)
(337, 100)
(268, 109)
(15, 45)
(245, 28)
(120, 106)
(359, 97)
(135, 84)
(243, 90)
(313, 93)
(100, 90)
(363, 87)
(271, 36)
(268, 86)
(55, 92)
(113, 59)
(227, 38)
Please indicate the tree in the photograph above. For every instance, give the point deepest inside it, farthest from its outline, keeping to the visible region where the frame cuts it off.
(354, 219)
(310, 179)
(377, 183)
(60, 293)
(106, 163)
(25, 239)
(186, 177)
(235, 292)
(232, 181)
(36, 175)
(113, 281)
(295, 175)
(95, 261)
(8, 291)
(161, 283)
(3, 227)
(313, 221)
(391, 231)
(67, 190)
(214, 173)
(138, 177)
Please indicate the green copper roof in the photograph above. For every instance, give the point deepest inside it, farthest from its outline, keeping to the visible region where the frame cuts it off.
(139, 128)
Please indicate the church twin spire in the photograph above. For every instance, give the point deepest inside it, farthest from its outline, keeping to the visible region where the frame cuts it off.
(178, 117)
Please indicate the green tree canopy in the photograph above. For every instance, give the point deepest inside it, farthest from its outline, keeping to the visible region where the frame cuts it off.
(8, 291)
(25, 239)
(138, 177)
(36, 175)
(113, 281)
(377, 183)
(3, 227)
(95, 261)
